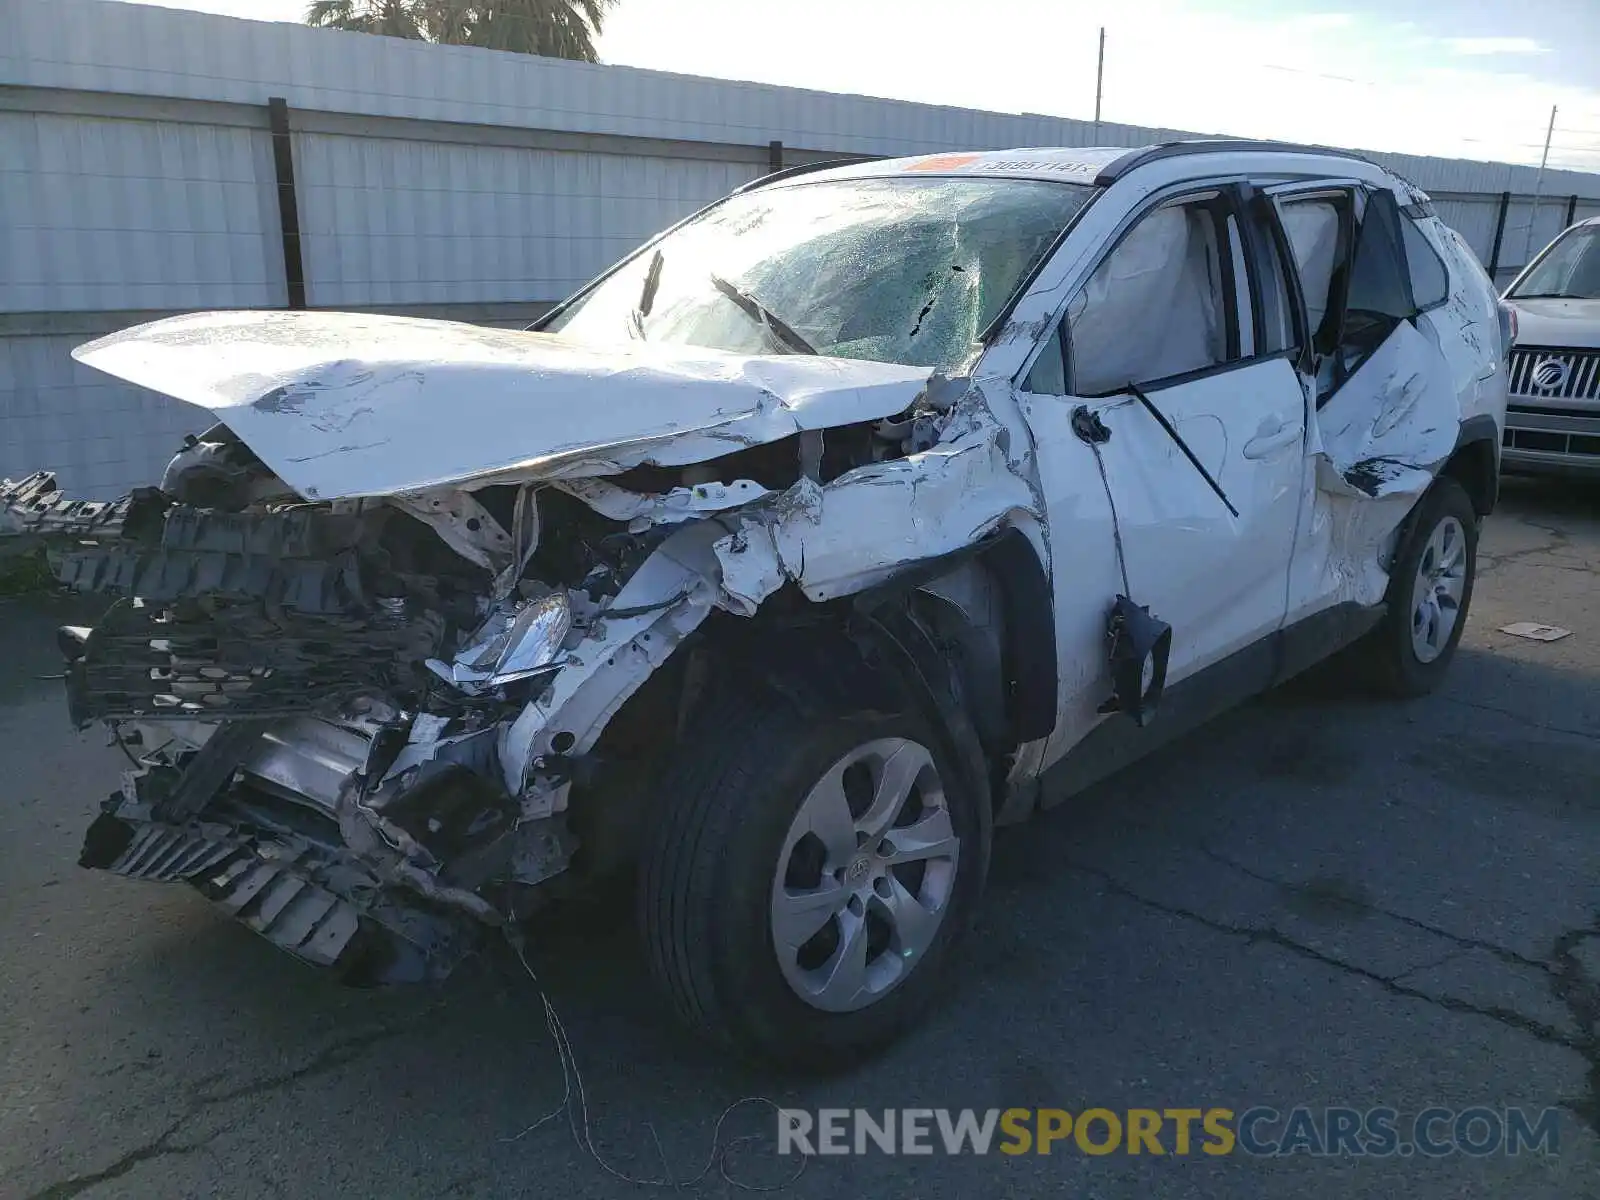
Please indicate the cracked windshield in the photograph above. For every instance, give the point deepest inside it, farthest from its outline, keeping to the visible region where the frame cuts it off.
(892, 270)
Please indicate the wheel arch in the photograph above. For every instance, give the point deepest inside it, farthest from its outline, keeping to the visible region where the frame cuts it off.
(969, 638)
(1475, 462)
(992, 602)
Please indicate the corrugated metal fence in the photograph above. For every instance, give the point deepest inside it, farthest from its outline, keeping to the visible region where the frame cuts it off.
(141, 170)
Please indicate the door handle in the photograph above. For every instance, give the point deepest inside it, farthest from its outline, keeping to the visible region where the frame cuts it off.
(1270, 441)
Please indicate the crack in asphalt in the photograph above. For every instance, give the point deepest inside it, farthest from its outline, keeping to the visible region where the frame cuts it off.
(1572, 985)
(1432, 963)
(329, 1058)
(1568, 980)
(1490, 563)
(159, 1148)
(1463, 941)
(1559, 539)
(1581, 995)
(1520, 717)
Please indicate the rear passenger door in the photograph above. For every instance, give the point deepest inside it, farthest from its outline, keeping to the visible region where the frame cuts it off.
(1386, 409)
(1188, 310)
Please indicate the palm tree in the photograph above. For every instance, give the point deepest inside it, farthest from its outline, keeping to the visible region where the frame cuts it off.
(554, 28)
(394, 18)
(557, 28)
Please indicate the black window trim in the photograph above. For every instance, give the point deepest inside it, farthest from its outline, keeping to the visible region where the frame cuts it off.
(1224, 206)
(1252, 268)
(1156, 385)
(1449, 282)
(1366, 192)
(1058, 339)
(1265, 240)
(1343, 195)
(1218, 197)
(1226, 193)
(1118, 167)
(1161, 385)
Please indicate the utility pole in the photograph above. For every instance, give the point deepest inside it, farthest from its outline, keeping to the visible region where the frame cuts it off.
(1538, 185)
(1099, 83)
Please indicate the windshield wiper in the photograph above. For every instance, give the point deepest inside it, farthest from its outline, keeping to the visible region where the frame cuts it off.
(1172, 432)
(776, 327)
(647, 297)
(1550, 296)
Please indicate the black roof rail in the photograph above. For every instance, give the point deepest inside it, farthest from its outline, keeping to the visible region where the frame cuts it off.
(1119, 167)
(803, 169)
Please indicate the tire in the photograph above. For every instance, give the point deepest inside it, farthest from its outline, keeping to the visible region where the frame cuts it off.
(710, 889)
(1405, 656)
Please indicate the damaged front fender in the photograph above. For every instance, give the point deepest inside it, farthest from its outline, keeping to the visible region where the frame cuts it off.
(875, 522)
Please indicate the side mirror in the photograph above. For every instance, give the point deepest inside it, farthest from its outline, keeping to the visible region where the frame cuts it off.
(1140, 647)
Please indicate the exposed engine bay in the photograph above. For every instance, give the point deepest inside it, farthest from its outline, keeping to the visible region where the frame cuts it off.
(357, 725)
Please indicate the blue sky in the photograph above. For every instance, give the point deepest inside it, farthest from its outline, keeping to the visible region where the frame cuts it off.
(1450, 77)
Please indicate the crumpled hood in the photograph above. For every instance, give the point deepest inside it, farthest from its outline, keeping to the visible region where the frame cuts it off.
(1553, 322)
(351, 404)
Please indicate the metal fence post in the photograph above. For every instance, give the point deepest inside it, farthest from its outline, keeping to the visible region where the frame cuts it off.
(1572, 209)
(294, 272)
(1499, 234)
(775, 156)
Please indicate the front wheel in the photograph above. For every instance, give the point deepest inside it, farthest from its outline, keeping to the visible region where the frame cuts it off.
(1430, 591)
(807, 878)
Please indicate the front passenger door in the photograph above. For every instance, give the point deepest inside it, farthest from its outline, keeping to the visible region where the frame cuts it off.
(1187, 310)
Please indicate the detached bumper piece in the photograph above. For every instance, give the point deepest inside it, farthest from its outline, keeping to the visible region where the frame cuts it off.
(36, 507)
(321, 907)
(266, 665)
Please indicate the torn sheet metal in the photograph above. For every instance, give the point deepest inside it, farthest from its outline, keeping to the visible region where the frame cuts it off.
(665, 600)
(641, 511)
(1376, 445)
(1393, 423)
(517, 641)
(872, 523)
(465, 525)
(351, 404)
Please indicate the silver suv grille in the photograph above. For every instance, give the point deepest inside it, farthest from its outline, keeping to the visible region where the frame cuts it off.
(1542, 374)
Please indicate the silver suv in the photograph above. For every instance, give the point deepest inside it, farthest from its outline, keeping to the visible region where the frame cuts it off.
(1553, 415)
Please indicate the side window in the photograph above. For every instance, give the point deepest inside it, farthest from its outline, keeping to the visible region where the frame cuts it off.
(1380, 286)
(1353, 275)
(1318, 229)
(1048, 376)
(1160, 304)
(1430, 281)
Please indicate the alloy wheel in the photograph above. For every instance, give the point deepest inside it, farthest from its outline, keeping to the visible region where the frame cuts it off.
(865, 876)
(1440, 584)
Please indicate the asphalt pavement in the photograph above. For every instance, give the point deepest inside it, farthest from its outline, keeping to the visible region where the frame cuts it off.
(1319, 900)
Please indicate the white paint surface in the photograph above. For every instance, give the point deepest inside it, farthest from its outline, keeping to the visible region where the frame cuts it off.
(346, 404)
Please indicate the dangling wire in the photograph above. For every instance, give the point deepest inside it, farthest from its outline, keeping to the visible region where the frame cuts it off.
(1092, 431)
(575, 1105)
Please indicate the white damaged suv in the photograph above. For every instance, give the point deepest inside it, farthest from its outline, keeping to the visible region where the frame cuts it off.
(867, 509)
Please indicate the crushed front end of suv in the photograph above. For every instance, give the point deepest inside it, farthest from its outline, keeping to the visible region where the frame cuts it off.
(864, 511)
